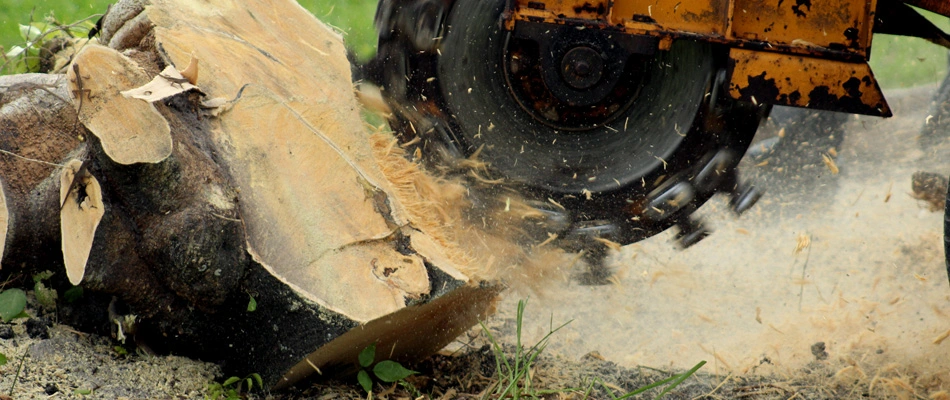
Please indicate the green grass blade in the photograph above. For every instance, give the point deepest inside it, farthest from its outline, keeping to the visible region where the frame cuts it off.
(680, 378)
(519, 349)
(500, 358)
(647, 387)
(610, 391)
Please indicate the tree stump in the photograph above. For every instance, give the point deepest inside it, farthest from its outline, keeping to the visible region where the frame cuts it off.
(211, 154)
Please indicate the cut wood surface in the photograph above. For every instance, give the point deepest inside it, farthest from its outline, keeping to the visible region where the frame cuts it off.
(259, 182)
(81, 210)
(130, 131)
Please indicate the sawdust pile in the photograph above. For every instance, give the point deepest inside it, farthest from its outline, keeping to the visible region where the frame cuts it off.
(484, 234)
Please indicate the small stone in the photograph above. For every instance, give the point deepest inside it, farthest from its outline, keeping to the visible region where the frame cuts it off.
(38, 328)
(931, 188)
(6, 332)
(50, 389)
(818, 350)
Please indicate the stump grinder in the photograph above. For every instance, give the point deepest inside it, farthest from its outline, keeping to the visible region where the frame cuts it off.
(619, 118)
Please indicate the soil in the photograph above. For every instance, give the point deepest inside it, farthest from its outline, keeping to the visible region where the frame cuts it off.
(53, 360)
(833, 286)
(851, 260)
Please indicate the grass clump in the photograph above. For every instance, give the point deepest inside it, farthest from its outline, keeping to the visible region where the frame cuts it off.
(514, 374)
(514, 371)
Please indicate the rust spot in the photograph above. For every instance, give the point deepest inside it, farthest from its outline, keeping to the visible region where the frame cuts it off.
(838, 46)
(537, 5)
(707, 15)
(792, 98)
(589, 8)
(797, 8)
(388, 271)
(852, 35)
(644, 18)
(821, 97)
(853, 87)
(760, 89)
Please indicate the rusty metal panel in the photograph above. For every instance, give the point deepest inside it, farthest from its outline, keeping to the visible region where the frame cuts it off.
(691, 17)
(839, 29)
(560, 11)
(831, 24)
(792, 80)
(704, 17)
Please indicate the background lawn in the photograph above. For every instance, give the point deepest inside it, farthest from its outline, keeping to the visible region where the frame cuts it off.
(896, 61)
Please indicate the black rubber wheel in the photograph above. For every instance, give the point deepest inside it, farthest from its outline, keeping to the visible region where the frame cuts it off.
(678, 115)
(601, 159)
(946, 231)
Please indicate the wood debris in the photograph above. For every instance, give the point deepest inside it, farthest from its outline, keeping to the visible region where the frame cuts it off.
(803, 242)
(830, 163)
(942, 337)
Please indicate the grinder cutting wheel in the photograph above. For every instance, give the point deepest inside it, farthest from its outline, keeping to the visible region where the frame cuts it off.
(607, 134)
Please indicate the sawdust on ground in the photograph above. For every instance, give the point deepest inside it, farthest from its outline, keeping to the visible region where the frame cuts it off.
(53, 361)
(843, 269)
(834, 286)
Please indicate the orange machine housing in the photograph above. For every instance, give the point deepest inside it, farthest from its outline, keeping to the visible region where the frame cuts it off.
(803, 53)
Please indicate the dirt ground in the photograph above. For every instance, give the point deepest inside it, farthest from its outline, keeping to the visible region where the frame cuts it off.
(59, 362)
(846, 270)
(833, 286)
